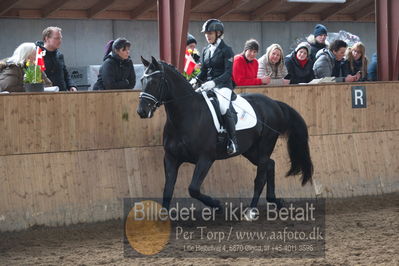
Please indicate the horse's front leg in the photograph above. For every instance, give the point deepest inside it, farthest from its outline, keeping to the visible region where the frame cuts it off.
(171, 167)
(201, 170)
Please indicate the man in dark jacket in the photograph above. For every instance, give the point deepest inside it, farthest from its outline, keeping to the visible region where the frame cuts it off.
(54, 60)
(216, 69)
(317, 41)
(331, 63)
(117, 70)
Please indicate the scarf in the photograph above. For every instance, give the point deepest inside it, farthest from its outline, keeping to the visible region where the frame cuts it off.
(302, 63)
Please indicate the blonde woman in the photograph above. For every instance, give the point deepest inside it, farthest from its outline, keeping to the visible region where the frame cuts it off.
(356, 57)
(272, 67)
(12, 68)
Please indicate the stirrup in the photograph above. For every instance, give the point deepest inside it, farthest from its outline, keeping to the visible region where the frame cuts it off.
(232, 148)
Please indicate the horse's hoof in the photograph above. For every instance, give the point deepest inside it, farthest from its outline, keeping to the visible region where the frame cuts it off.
(249, 216)
(217, 207)
(219, 210)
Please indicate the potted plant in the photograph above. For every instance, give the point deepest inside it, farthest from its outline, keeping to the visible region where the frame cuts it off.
(33, 79)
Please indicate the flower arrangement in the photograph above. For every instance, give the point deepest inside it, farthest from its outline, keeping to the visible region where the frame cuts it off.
(33, 73)
(195, 56)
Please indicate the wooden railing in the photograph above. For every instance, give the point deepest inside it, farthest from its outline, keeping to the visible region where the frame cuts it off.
(71, 157)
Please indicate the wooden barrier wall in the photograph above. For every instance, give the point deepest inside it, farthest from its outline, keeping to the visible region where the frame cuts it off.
(71, 157)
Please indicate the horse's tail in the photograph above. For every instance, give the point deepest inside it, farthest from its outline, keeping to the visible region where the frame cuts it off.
(298, 146)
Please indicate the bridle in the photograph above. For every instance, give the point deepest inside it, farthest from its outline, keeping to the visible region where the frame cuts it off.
(162, 87)
(163, 83)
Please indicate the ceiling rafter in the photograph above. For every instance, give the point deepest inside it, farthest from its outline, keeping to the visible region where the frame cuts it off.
(264, 9)
(7, 5)
(142, 8)
(99, 7)
(330, 11)
(229, 7)
(228, 10)
(365, 11)
(296, 11)
(196, 3)
(52, 7)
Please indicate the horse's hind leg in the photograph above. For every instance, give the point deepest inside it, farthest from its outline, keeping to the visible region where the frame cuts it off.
(260, 156)
(260, 181)
(270, 187)
(201, 170)
(265, 175)
(171, 166)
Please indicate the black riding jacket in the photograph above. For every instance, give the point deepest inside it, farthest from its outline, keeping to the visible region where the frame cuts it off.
(219, 67)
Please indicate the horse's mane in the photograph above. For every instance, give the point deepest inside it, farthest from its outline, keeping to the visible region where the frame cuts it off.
(174, 70)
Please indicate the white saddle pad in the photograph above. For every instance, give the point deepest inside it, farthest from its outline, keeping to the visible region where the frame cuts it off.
(245, 113)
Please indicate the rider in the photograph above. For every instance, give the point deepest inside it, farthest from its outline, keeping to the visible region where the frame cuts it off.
(216, 69)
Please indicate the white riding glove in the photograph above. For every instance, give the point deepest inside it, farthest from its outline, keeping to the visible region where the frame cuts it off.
(208, 85)
(193, 82)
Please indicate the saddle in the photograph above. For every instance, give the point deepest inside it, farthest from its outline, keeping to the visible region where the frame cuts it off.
(215, 102)
(245, 116)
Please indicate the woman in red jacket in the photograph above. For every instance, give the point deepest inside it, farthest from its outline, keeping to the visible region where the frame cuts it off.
(245, 66)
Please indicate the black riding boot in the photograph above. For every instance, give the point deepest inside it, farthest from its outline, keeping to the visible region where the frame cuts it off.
(229, 123)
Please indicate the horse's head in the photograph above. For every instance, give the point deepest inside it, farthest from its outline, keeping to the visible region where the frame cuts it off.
(153, 86)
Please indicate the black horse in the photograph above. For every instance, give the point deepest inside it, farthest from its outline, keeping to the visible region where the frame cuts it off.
(190, 135)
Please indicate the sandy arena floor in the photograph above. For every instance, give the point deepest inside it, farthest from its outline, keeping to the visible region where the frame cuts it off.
(360, 231)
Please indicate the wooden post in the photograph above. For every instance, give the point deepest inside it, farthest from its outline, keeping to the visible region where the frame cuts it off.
(387, 37)
(173, 18)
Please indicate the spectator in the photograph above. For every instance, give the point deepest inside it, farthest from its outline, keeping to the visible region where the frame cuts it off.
(300, 65)
(317, 40)
(191, 66)
(271, 65)
(12, 69)
(117, 70)
(192, 45)
(372, 69)
(331, 63)
(357, 60)
(245, 66)
(54, 60)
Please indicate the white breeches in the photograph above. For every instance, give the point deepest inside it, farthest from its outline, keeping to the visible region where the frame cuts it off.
(224, 96)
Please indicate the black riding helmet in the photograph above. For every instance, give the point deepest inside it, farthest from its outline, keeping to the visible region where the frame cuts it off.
(212, 25)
